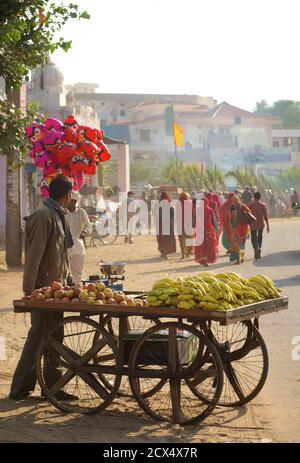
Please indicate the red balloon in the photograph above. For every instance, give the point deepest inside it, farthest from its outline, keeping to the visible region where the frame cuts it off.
(64, 152)
(104, 154)
(89, 149)
(70, 135)
(71, 122)
(79, 162)
(86, 133)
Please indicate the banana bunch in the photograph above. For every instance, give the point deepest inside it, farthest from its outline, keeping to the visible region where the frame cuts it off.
(223, 291)
(181, 293)
(264, 286)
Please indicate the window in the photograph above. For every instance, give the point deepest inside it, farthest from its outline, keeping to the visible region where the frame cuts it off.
(236, 142)
(276, 144)
(285, 141)
(238, 120)
(122, 112)
(102, 104)
(145, 135)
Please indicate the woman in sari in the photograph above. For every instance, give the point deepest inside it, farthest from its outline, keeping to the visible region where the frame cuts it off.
(239, 231)
(165, 227)
(184, 210)
(207, 252)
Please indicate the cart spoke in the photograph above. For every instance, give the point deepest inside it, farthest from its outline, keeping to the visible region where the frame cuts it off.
(65, 379)
(94, 384)
(67, 354)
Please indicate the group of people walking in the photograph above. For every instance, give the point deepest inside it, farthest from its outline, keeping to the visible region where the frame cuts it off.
(231, 220)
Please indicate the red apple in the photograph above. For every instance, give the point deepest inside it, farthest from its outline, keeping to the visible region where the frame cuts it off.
(65, 299)
(100, 296)
(75, 300)
(56, 299)
(92, 287)
(77, 291)
(56, 286)
(49, 299)
(111, 301)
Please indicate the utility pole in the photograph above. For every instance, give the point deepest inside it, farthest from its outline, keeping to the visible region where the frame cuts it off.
(14, 196)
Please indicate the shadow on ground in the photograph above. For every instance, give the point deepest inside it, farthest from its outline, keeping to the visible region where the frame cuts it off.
(284, 258)
(40, 422)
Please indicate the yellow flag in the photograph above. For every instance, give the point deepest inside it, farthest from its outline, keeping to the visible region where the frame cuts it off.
(178, 134)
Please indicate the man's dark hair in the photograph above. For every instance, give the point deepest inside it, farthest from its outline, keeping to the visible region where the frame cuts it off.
(60, 186)
(130, 193)
(257, 195)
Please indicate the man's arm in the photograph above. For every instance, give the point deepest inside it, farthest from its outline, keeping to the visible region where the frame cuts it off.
(87, 230)
(36, 246)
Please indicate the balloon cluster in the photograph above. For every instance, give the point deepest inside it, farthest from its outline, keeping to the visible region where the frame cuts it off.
(66, 148)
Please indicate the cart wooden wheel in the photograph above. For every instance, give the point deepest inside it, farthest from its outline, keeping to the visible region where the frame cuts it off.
(163, 362)
(136, 325)
(65, 366)
(245, 360)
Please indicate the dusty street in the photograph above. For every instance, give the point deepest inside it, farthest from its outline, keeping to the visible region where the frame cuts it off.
(273, 416)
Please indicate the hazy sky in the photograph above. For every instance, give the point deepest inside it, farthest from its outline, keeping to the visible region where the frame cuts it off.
(240, 51)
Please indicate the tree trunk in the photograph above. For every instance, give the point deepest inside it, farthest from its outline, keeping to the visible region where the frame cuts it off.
(13, 204)
(13, 218)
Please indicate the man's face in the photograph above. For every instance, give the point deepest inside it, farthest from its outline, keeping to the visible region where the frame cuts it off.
(66, 199)
(72, 205)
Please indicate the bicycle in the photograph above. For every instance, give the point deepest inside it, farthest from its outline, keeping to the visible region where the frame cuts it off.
(97, 239)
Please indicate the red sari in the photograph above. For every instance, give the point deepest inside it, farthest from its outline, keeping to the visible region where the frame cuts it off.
(207, 252)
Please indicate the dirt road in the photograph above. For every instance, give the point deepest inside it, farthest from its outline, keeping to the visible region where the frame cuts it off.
(273, 416)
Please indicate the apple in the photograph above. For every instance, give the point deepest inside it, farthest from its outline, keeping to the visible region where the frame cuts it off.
(56, 286)
(48, 299)
(59, 293)
(83, 295)
(75, 300)
(107, 291)
(77, 292)
(100, 296)
(119, 298)
(91, 287)
(65, 299)
(109, 295)
(90, 300)
(111, 301)
(92, 294)
(98, 302)
(40, 297)
(35, 292)
(70, 293)
(56, 299)
(26, 298)
(48, 293)
(123, 303)
(100, 286)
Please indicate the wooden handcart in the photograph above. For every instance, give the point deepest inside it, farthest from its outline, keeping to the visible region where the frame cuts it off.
(178, 364)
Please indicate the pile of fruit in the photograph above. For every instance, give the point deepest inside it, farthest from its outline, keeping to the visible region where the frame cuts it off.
(92, 293)
(223, 291)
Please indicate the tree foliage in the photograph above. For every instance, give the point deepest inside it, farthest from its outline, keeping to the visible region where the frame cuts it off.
(286, 110)
(13, 122)
(28, 33)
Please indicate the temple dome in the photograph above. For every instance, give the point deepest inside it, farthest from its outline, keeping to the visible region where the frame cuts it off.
(48, 76)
